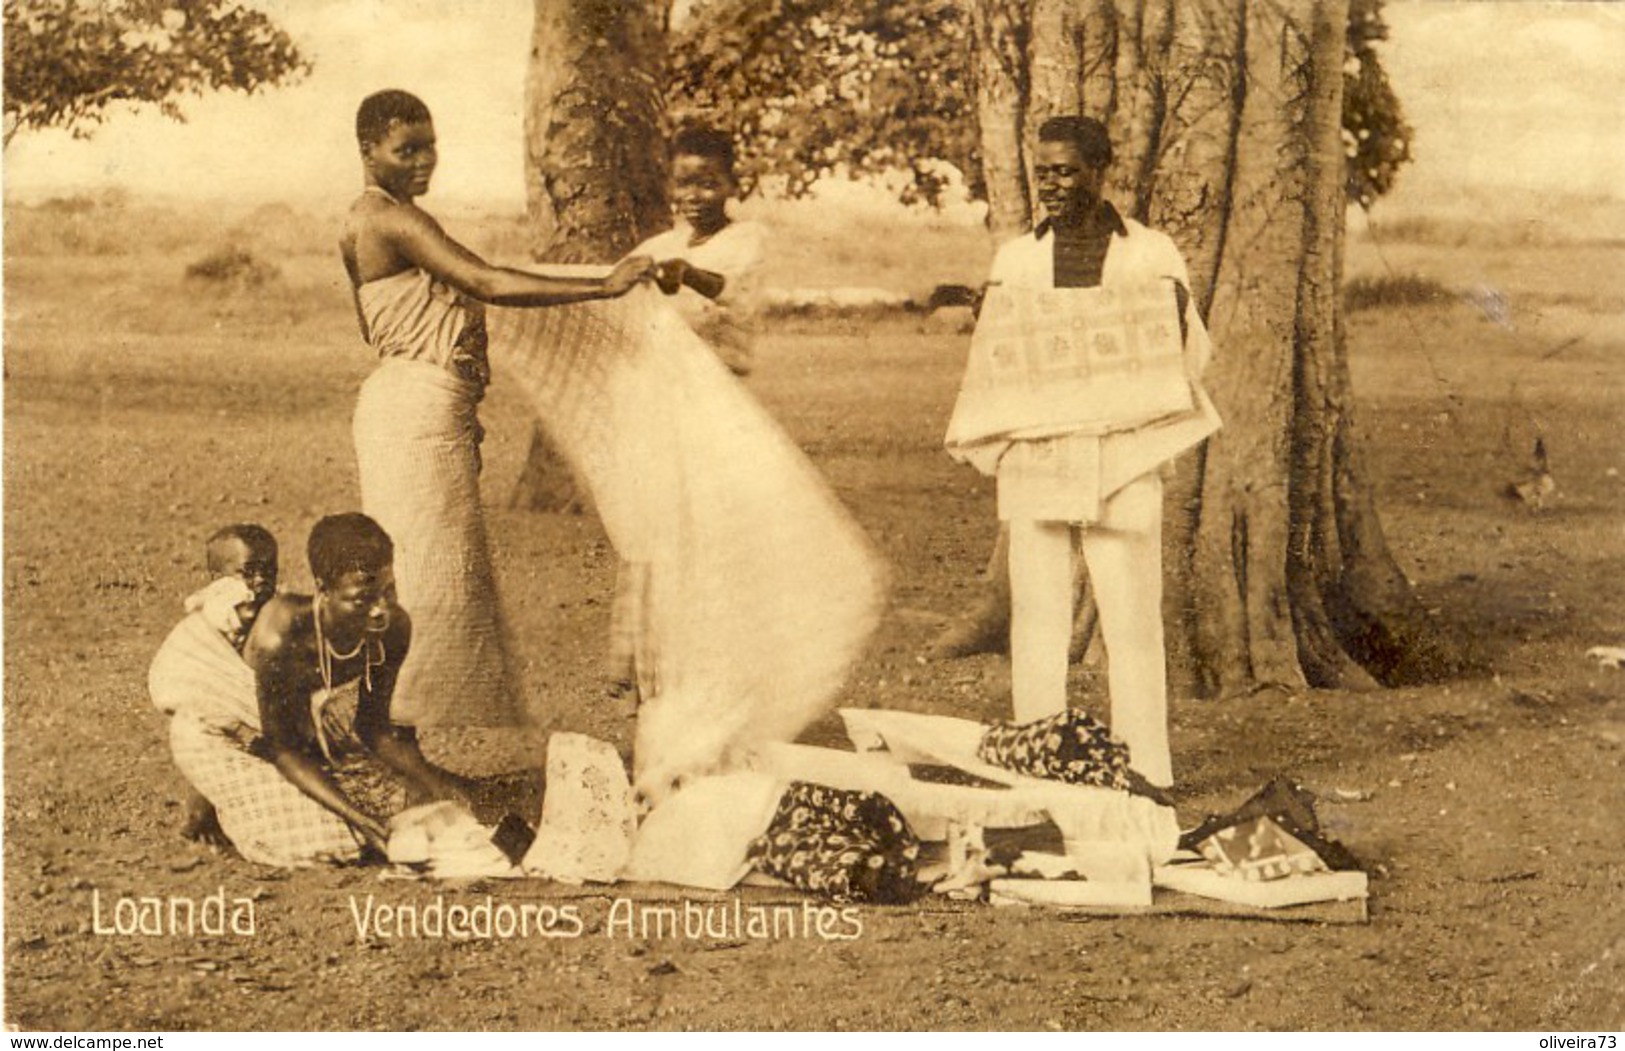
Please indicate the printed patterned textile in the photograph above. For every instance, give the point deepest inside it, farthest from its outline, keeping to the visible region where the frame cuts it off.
(1267, 836)
(845, 845)
(416, 443)
(588, 814)
(1055, 361)
(1259, 849)
(761, 590)
(1070, 746)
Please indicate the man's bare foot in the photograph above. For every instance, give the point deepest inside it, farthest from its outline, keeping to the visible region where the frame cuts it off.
(203, 824)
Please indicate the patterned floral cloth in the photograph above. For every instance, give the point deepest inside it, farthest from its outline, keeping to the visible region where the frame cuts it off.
(1267, 836)
(1071, 746)
(843, 844)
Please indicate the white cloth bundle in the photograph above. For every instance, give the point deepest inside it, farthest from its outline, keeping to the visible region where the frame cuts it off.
(762, 591)
(197, 670)
(447, 841)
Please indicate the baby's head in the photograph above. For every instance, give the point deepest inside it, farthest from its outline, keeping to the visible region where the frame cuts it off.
(702, 177)
(242, 562)
(248, 552)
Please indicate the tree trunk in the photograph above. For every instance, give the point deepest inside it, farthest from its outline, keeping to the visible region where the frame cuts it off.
(595, 160)
(1226, 118)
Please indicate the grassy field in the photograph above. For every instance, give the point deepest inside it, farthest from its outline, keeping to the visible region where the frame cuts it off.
(143, 408)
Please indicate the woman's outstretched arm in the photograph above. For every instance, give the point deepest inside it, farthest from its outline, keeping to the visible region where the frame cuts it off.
(415, 236)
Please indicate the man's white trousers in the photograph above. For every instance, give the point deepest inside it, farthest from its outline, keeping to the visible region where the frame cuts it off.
(1123, 553)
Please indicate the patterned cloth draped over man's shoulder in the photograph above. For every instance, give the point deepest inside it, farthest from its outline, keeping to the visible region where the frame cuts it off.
(417, 448)
(762, 591)
(214, 737)
(1061, 467)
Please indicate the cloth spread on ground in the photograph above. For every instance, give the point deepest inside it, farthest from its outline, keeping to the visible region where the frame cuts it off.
(1085, 814)
(416, 442)
(761, 590)
(845, 845)
(698, 836)
(1259, 849)
(1070, 746)
(588, 814)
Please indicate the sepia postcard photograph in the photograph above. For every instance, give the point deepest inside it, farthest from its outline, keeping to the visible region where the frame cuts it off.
(814, 515)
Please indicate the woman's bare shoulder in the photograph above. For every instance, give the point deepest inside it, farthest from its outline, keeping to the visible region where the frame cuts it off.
(277, 628)
(382, 238)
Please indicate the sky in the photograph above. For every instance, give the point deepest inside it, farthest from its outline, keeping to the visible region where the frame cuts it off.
(1508, 93)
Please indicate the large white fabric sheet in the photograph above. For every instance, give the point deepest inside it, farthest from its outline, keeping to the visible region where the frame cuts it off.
(762, 590)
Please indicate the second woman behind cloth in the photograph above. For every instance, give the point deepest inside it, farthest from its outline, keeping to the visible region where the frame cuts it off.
(709, 264)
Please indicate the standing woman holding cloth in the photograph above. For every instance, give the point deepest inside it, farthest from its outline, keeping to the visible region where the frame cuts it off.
(420, 299)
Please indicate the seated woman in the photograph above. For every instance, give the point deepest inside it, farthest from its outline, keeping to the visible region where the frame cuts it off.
(348, 758)
(292, 741)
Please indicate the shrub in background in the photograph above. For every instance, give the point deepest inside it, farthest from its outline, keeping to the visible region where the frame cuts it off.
(234, 267)
(1397, 290)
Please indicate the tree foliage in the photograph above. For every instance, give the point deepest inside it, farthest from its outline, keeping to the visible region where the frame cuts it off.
(814, 87)
(1376, 138)
(67, 61)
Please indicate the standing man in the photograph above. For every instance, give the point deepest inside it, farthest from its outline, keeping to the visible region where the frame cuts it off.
(1100, 483)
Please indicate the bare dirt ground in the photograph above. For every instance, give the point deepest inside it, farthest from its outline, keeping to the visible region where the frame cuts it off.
(141, 411)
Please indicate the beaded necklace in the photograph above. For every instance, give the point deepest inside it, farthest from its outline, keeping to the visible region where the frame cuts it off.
(325, 656)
